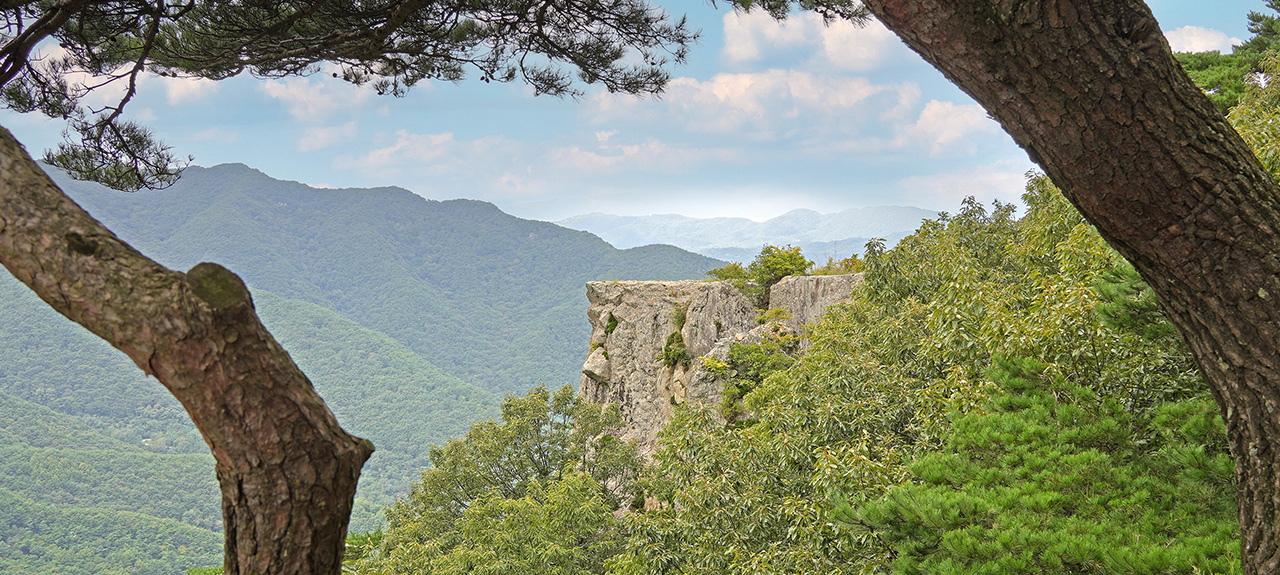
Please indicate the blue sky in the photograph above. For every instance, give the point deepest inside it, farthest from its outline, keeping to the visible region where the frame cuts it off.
(764, 118)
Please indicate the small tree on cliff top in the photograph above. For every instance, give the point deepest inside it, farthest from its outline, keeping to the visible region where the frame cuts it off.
(771, 265)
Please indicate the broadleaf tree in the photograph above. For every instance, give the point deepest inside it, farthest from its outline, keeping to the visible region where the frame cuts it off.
(288, 472)
(533, 493)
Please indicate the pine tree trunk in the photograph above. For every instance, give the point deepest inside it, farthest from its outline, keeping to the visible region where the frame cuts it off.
(1090, 89)
(288, 472)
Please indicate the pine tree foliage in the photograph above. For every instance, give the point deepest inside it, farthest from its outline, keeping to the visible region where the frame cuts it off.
(1058, 479)
(1226, 78)
(392, 45)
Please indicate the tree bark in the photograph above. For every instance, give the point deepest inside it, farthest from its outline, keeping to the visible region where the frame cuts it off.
(287, 471)
(1090, 89)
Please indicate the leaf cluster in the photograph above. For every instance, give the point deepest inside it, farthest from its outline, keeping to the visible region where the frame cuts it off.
(750, 365)
(769, 266)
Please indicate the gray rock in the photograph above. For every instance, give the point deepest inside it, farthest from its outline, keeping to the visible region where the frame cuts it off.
(597, 365)
(807, 298)
(632, 321)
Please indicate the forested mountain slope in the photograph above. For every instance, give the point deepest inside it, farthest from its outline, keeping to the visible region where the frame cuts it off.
(77, 502)
(490, 298)
(105, 405)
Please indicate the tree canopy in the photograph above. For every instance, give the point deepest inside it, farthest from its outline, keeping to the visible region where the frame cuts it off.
(1091, 90)
(850, 460)
(532, 493)
(769, 267)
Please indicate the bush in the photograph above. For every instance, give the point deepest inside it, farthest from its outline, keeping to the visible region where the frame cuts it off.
(771, 265)
(674, 352)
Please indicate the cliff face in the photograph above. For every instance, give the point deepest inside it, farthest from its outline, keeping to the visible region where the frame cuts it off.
(639, 362)
(631, 324)
(808, 297)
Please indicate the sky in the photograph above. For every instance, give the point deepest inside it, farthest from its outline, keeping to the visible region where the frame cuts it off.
(765, 117)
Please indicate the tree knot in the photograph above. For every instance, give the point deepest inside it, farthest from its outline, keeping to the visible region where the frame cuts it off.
(217, 286)
(79, 244)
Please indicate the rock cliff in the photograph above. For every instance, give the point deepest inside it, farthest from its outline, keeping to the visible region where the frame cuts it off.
(649, 341)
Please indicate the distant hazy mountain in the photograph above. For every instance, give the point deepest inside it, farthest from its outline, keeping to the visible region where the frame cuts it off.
(740, 239)
(412, 317)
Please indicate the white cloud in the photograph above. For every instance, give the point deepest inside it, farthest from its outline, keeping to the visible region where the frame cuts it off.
(510, 185)
(649, 155)
(744, 32)
(408, 148)
(183, 90)
(214, 135)
(857, 48)
(312, 101)
(842, 44)
(942, 125)
(759, 106)
(908, 99)
(433, 156)
(317, 138)
(1198, 39)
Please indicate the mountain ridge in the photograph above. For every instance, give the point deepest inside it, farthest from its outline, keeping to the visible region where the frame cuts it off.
(476, 271)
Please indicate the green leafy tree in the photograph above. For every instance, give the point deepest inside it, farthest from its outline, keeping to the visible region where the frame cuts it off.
(878, 386)
(1257, 115)
(750, 364)
(849, 265)
(1091, 90)
(533, 493)
(1225, 78)
(770, 265)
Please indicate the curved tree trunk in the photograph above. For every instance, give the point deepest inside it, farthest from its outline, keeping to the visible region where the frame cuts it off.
(1090, 89)
(288, 472)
